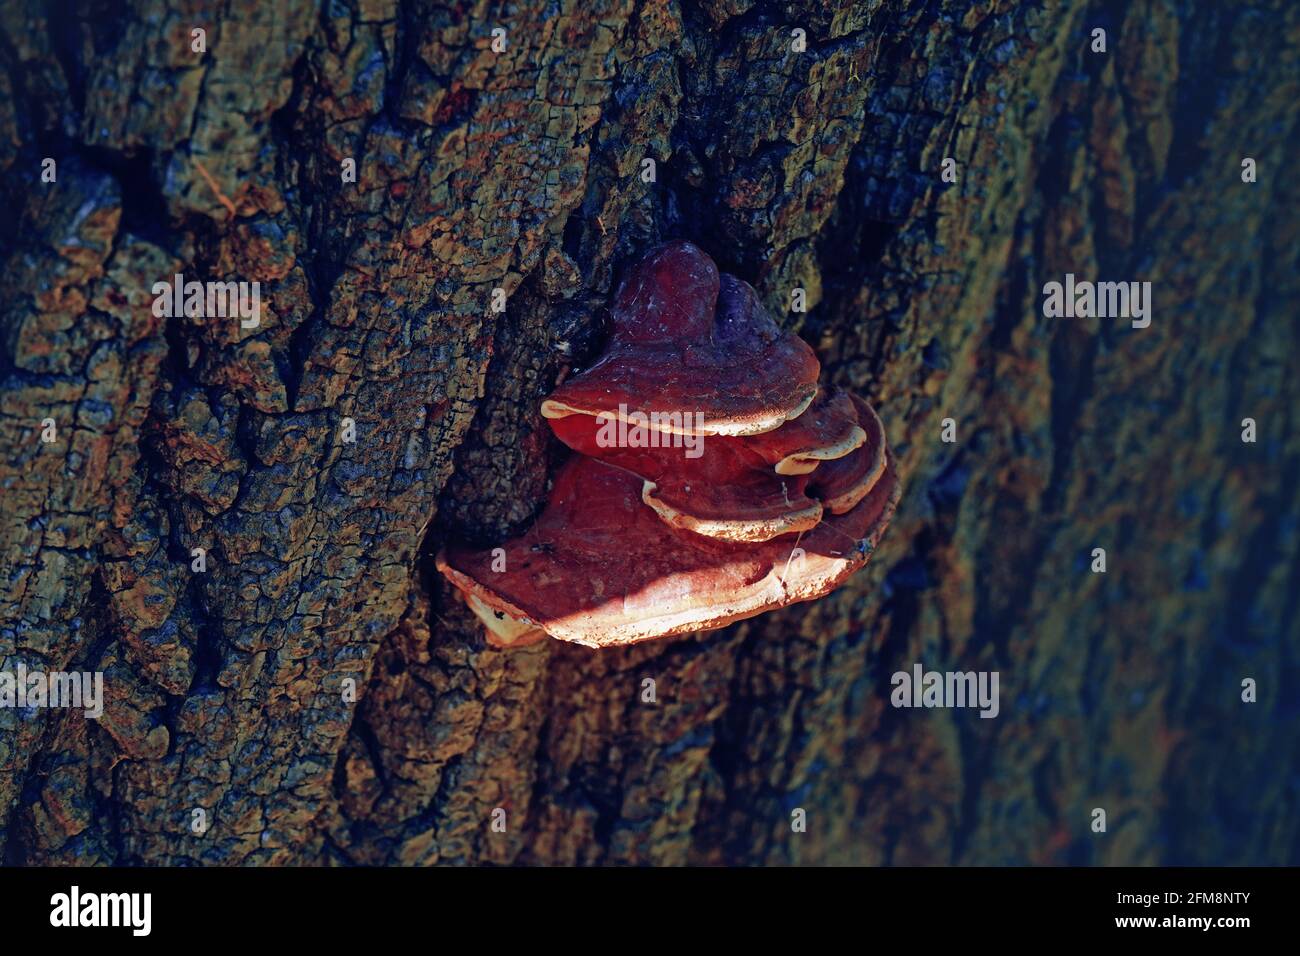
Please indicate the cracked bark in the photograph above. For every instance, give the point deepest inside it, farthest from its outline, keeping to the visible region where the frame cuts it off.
(519, 170)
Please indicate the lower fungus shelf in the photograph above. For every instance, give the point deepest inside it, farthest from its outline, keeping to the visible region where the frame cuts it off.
(616, 574)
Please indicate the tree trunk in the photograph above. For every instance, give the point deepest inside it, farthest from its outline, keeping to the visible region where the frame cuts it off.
(228, 734)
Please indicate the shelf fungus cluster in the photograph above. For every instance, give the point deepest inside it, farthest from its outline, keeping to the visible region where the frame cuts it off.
(712, 478)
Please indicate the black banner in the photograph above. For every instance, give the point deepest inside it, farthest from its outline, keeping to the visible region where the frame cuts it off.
(336, 906)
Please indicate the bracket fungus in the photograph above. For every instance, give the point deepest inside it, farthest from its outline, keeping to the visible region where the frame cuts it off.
(711, 477)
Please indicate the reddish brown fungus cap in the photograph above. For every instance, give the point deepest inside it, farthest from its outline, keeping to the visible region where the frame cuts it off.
(714, 486)
(840, 484)
(748, 488)
(828, 430)
(600, 568)
(756, 505)
(688, 342)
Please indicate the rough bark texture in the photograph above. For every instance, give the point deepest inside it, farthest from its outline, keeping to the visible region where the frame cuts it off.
(521, 170)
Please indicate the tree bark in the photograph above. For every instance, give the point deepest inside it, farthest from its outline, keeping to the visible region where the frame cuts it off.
(521, 170)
